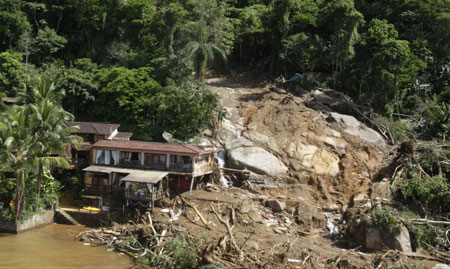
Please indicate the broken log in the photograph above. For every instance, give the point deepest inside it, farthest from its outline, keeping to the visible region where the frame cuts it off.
(196, 211)
(230, 233)
(153, 228)
(425, 221)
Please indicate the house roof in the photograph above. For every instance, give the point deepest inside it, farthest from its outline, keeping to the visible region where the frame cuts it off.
(134, 175)
(153, 147)
(97, 128)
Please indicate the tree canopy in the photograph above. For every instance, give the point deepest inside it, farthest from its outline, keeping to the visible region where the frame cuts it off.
(388, 54)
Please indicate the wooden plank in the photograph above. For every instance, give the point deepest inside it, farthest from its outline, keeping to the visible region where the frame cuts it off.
(234, 170)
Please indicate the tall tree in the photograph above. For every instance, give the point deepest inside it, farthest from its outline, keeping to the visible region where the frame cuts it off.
(18, 149)
(340, 20)
(385, 64)
(12, 73)
(13, 23)
(50, 127)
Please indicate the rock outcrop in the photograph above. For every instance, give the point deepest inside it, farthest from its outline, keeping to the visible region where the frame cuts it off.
(257, 160)
(353, 127)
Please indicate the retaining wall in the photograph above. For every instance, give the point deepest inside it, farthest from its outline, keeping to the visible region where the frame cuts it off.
(38, 219)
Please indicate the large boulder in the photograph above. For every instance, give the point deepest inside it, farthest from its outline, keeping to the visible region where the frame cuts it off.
(257, 160)
(315, 159)
(378, 240)
(275, 205)
(353, 127)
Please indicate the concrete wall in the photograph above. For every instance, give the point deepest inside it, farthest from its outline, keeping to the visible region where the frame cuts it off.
(39, 219)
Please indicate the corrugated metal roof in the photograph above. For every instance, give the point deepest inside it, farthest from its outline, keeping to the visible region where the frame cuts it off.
(145, 176)
(134, 175)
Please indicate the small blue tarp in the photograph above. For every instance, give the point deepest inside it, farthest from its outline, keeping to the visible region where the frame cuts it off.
(296, 76)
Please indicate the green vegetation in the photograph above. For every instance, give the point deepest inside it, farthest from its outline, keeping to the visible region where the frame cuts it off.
(49, 195)
(178, 253)
(429, 194)
(30, 136)
(384, 220)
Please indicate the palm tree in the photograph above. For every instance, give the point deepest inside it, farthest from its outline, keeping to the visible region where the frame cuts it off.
(50, 127)
(18, 149)
(50, 122)
(31, 135)
(202, 48)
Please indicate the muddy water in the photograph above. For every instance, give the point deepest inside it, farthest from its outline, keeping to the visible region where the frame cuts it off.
(55, 246)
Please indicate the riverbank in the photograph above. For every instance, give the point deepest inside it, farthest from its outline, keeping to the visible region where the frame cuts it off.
(55, 246)
(37, 220)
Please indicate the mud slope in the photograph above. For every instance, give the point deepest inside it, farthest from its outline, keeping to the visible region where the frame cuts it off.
(316, 148)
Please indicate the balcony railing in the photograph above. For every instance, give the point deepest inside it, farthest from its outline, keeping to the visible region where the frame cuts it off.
(139, 195)
(187, 168)
(155, 166)
(130, 163)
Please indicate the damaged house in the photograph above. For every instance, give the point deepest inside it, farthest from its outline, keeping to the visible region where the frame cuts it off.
(144, 171)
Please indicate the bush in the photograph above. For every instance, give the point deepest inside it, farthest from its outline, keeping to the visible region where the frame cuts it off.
(424, 235)
(178, 254)
(398, 128)
(437, 118)
(431, 194)
(383, 220)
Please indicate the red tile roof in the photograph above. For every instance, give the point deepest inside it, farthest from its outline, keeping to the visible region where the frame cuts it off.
(97, 128)
(152, 147)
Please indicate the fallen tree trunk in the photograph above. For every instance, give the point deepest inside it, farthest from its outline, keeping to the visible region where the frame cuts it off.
(196, 211)
(230, 233)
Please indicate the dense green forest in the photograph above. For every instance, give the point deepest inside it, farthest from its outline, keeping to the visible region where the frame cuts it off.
(132, 61)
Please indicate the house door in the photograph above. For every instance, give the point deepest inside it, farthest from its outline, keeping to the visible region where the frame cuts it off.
(98, 183)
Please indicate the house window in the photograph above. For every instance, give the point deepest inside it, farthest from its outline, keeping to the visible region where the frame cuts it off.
(132, 159)
(107, 157)
(175, 158)
(159, 158)
(151, 158)
(187, 160)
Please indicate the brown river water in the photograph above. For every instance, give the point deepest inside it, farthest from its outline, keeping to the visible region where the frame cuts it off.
(55, 246)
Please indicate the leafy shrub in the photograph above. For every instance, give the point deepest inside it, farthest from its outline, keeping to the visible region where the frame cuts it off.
(424, 235)
(431, 154)
(398, 128)
(178, 254)
(433, 193)
(383, 220)
(437, 118)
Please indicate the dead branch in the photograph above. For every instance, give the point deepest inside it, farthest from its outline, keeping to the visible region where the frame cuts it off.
(426, 257)
(196, 211)
(153, 228)
(230, 233)
(426, 221)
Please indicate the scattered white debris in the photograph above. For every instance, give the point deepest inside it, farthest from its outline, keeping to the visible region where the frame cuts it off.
(221, 163)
